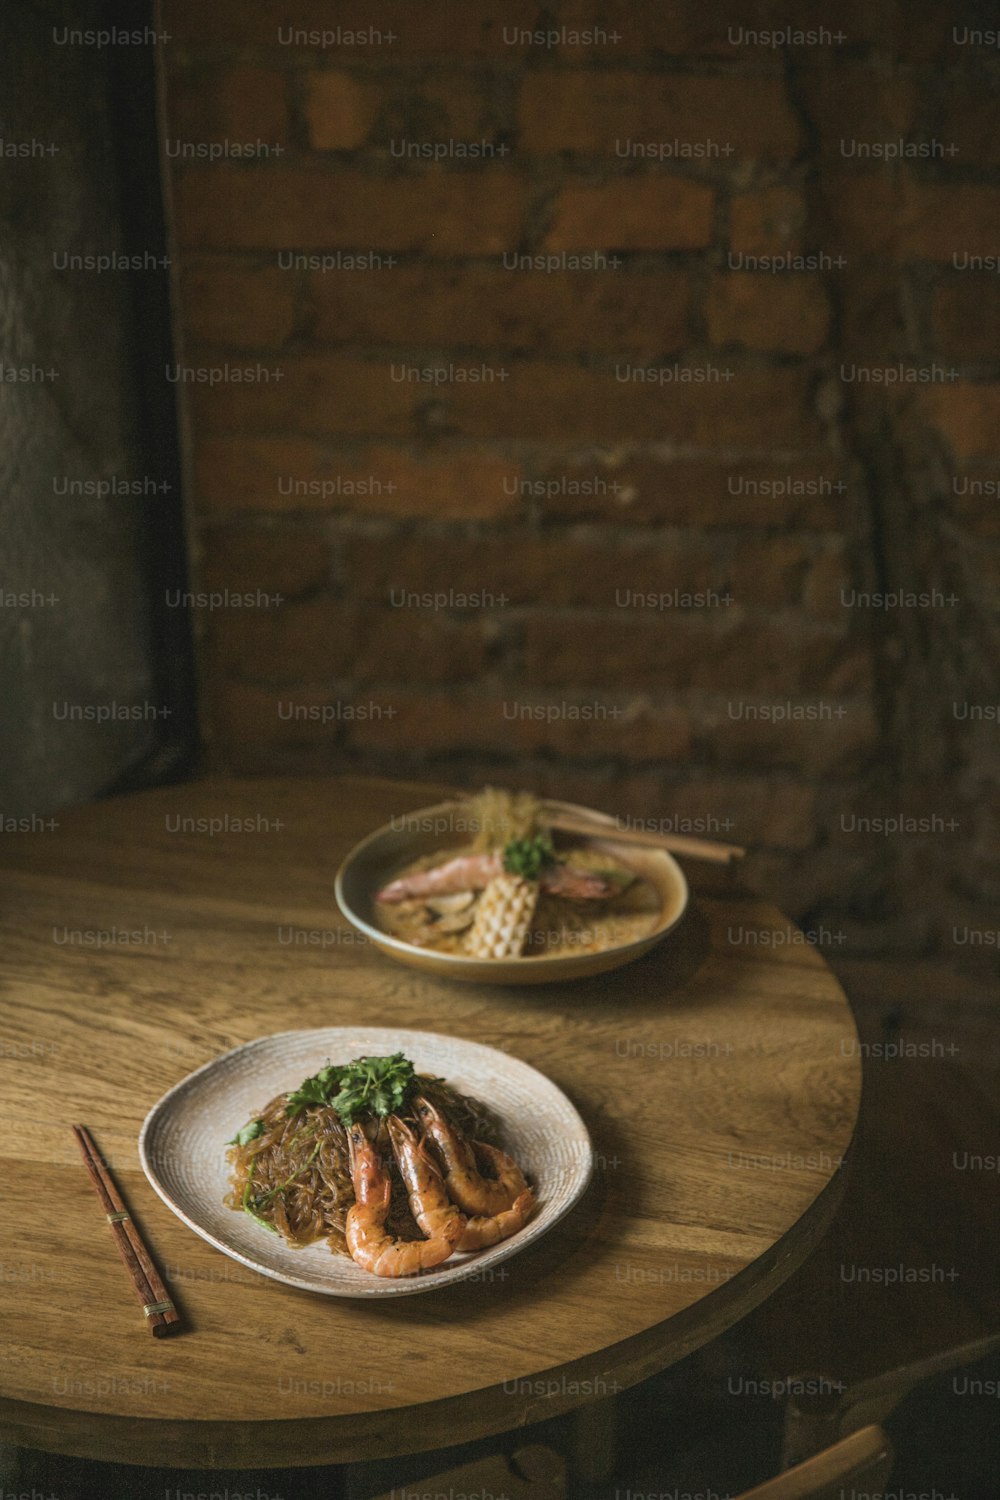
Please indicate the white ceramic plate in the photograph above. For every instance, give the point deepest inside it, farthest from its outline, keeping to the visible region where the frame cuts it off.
(182, 1146)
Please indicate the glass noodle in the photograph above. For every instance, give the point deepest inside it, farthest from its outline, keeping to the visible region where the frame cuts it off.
(295, 1176)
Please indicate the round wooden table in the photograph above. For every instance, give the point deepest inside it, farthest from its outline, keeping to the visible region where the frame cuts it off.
(719, 1078)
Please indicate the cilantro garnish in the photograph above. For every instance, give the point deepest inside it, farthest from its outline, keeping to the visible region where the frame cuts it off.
(376, 1084)
(527, 856)
(247, 1202)
(319, 1089)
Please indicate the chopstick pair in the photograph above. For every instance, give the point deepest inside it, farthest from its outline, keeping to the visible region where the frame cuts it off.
(710, 850)
(713, 851)
(157, 1306)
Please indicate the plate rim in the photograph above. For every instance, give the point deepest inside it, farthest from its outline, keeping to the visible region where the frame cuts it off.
(404, 1286)
(460, 961)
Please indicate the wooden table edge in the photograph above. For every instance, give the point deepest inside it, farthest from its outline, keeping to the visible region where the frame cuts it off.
(302, 1442)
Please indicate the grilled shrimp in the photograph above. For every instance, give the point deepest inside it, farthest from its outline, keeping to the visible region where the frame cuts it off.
(433, 1209)
(474, 872)
(429, 1202)
(370, 1246)
(488, 1229)
(474, 1193)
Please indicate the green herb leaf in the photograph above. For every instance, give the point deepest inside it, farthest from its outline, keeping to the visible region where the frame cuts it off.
(527, 856)
(248, 1207)
(319, 1089)
(378, 1085)
(247, 1134)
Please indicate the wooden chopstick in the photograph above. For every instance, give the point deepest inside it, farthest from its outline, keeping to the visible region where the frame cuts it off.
(157, 1306)
(676, 843)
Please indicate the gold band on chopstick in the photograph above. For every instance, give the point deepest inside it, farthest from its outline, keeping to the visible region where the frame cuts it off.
(119, 1217)
(157, 1307)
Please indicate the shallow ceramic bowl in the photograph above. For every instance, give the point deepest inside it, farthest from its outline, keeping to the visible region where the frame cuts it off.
(378, 858)
(182, 1147)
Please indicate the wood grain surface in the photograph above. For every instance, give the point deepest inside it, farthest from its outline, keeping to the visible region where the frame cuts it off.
(718, 1076)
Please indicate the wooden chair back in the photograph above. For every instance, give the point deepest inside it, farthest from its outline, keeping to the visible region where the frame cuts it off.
(860, 1463)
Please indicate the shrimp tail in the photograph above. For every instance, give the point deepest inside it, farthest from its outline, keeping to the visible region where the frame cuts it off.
(485, 1230)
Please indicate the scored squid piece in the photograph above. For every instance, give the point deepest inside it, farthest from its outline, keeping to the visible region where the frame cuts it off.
(503, 918)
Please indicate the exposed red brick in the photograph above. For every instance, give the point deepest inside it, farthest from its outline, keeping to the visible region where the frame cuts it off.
(754, 409)
(627, 30)
(646, 577)
(430, 107)
(513, 724)
(787, 313)
(239, 103)
(689, 28)
(313, 640)
(279, 562)
(972, 123)
(294, 474)
(476, 30)
(609, 112)
(873, 323)
(877, 214)
(973, 494)
(442, 213)
(521, 569)
(829, 575)
(967, 416)
(457, 486)
(309, 395)
(337, 483)
(340, 110)
(781, 570)
(310, 25)
(965, 315)
(447, 306)
(329, 395)
(639, 489)
(854, 107)
(408, 645)
(247, 718)
(988, 588)
(666, 653)
(247, 473)
(251, 307)
(815, 737)
(767, 221)
(633, 213)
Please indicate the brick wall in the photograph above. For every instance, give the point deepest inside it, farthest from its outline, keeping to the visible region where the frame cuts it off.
(650, 476)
